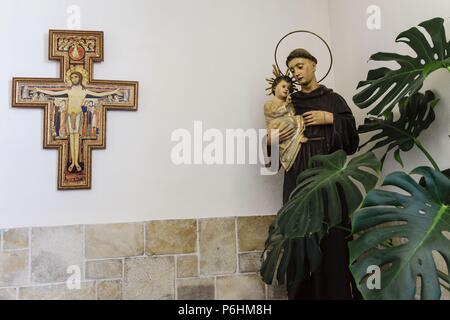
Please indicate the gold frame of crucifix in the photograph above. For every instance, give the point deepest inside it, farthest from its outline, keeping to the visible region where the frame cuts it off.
(75, 110)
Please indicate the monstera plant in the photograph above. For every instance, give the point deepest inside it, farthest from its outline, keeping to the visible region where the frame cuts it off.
(416, 115)
(409, 78)
(400, 233)
(313, 207)
(422, 220)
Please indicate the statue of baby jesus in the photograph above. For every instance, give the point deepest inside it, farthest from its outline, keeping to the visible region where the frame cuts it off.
(279, 112)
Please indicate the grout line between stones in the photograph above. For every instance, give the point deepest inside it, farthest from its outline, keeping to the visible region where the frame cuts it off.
(145, 238)
(30, 234)
(175, 271)
(198, 246)
(236, 243)
(84, 250)
(215, 287)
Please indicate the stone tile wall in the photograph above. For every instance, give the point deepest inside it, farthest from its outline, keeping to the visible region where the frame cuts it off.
(216, 258)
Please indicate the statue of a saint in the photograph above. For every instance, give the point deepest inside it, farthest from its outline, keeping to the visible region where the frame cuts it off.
(329, 126)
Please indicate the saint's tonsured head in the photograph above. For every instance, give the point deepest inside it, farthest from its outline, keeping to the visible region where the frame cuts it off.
(300, 53)
(302, 65)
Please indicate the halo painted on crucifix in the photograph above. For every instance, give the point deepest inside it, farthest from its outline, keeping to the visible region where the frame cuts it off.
(75, 104)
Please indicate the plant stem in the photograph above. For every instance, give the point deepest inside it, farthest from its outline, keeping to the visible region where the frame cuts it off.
(444, 278)
(445, 287)
(430, 158)
(386, 244)
(342, 228)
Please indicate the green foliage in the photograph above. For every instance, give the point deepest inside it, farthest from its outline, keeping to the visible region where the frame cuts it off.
(385, 87)
(316, 200)
(397, 232)
(416, 115)
(420, 219)
(314, 206)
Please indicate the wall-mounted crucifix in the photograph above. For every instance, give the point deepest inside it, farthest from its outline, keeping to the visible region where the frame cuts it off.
(75, 104)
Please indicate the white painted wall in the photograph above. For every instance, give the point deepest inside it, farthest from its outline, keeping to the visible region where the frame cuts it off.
(354, 43)
(195, 60)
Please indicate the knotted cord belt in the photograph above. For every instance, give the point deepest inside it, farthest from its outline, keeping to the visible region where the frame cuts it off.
(313, 139)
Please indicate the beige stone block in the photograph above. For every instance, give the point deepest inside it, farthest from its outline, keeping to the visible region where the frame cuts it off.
(114, 240)
(277, 292)
(195, 289)
(58, 292)
(13, 268)
(217, 246)
(151, 278)
(53, 251)
(104, 269)
(171, 237)
(8, 294)
(250, 262)
(253, 231)
(109, 290)
(240, 287)
(187, 266)
(15, 238)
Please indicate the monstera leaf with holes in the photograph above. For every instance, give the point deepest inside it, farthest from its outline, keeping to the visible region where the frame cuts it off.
(422, 216)
(385, 87)
(315, 205)
(416, 115)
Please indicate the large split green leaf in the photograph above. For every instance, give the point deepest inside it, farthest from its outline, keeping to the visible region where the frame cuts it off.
(422, 216)
(316, 199)
(416, 115)
(385, 87)
(316, 205)
(302, 253)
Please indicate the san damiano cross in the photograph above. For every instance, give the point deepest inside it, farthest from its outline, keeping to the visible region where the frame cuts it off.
(75, 104)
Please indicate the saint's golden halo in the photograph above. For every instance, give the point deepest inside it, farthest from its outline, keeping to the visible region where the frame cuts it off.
(314, 34)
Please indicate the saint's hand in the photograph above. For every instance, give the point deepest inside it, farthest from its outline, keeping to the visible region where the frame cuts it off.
(317, 118)
(289, 99)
